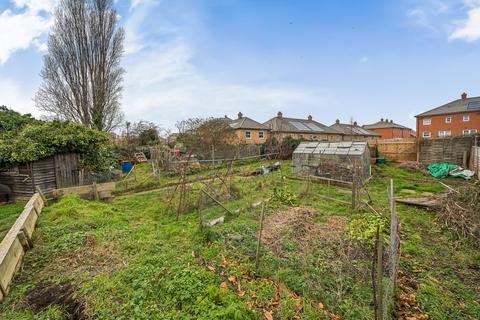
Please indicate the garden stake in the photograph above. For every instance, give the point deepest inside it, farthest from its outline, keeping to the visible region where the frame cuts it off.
(257, 256)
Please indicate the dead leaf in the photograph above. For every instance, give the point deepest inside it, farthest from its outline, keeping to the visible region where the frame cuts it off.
(211, 268)
(193, 253)
(320, 306)
(268, 315)
(224, 286)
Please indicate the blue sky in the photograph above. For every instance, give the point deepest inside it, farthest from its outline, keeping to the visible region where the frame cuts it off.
(360, 60)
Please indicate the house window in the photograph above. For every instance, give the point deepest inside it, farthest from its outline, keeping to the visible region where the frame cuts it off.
(467, 132)
(448, 119)
(427, 122)
(427, 134)
(260, 135)
(466, 118)
(444, 133)
(248, 134)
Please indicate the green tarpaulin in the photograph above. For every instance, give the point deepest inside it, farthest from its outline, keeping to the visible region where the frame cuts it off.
(445, 170)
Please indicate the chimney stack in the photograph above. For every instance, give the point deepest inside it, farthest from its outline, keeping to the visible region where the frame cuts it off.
(280, 114)
(464, 96)
(240, 115)
(337, 121)
(310, 117)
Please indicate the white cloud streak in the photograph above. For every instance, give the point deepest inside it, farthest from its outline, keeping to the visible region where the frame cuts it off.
(19, 31)
(469, 29)
(163, 84)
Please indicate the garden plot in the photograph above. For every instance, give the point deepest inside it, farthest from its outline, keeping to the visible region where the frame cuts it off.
(141, 258)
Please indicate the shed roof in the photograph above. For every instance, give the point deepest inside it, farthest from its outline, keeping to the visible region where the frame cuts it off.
(331, 148)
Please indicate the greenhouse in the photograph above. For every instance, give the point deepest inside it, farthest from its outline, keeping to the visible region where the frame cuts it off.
(346, 160)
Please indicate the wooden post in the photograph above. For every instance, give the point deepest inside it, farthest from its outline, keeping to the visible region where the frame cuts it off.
(200, 206)
(218, 202)
(377, 275)
(391, 196)
(259, 241)
(464, 159)
(40, 192)
(354, 194)
(95, 192)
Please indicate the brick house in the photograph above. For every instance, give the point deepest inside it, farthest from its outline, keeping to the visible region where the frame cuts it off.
(460, 117)
(301, 129)
(248, 131)
(354, 132)
(387, 129)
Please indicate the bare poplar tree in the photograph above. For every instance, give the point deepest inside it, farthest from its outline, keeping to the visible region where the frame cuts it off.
(82, 75)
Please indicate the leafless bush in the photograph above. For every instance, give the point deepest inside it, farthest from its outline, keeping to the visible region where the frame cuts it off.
(461, 211)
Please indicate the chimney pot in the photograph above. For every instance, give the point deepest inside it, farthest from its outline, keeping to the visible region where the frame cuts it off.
(386, 120)
(337, 121)
(279, 114)
(391, 121)
(310, 117)
(381, 119)
(240, 115)
(464, 96)
(355, 123)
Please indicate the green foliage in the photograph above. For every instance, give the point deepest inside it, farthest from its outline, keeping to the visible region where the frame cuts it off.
(12, 121)
(363, 227)
(33, 140)
(285, 147)
(284, 196)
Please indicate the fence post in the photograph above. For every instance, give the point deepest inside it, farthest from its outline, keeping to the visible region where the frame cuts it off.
(42, 195)
(95, 192)
(257, 255)
(377, 276)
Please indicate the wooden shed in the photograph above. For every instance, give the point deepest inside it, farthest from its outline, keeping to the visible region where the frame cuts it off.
(59, 171)
(346, 161)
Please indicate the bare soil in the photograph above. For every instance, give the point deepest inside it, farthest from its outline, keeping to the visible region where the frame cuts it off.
(61, 295)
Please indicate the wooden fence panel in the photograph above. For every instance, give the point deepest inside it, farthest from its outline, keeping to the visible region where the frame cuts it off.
(400, 150)
(67, 170)
(449, 150)
(44, 174)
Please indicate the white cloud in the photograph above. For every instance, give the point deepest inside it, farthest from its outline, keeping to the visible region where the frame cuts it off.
(14, 96)
(21, 30)
(469, 29)
(164, 85)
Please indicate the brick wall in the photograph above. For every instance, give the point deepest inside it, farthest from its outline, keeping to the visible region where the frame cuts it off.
(456, 126)
(255, 136)
(393, 133)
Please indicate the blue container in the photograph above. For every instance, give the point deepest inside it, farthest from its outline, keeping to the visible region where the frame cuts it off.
(127, 166)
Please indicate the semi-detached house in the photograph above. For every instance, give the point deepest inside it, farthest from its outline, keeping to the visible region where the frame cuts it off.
(460, 117)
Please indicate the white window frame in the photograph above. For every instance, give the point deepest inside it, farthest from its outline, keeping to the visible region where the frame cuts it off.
(427, 122)
(426, 134)
(261, 135)
(448, 119)
(466, 117)
(444, 133)
(248, 134)
(468, 132)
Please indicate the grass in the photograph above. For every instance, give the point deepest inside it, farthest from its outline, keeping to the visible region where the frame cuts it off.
(133, 259)
(8, 215)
